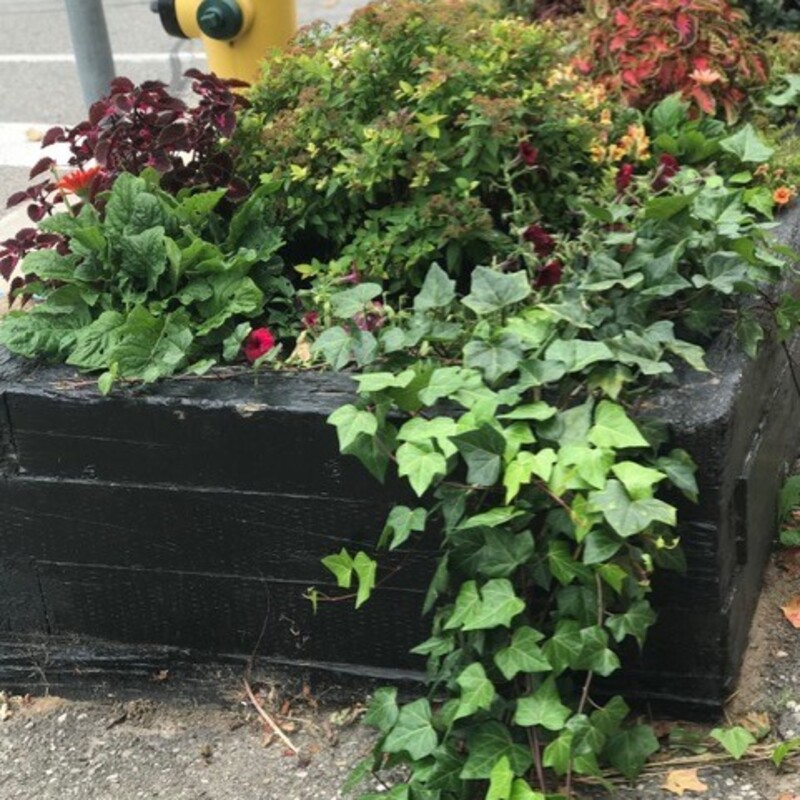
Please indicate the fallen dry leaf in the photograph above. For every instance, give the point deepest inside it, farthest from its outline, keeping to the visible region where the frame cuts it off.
(683, 780)
(787, 796)
(758, 723)
(792, 611)
(789, 561)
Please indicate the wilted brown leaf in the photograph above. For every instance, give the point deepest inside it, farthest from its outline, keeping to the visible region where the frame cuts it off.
(683, 780)
(758, 723)
(792, 611)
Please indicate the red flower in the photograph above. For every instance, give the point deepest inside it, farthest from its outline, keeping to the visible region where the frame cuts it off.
(624, 177)
(549, 274)
(668, 167)
(371, 319)
(258, 342)
(353, 277)
(543, 243)
(79, 180)
(528, 153)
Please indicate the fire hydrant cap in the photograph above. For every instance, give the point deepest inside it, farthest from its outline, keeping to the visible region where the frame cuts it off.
(220, 19)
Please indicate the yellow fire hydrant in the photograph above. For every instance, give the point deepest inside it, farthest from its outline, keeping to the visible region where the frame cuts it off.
(236, 34)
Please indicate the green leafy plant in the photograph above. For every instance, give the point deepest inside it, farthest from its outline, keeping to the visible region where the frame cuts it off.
(391, 154)
(646, 49)
(149, 286)
(773, 13)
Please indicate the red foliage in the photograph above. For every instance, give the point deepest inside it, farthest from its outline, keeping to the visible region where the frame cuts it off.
(647, 49)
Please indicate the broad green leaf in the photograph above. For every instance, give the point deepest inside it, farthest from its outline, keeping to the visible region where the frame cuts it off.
(487, 744)
(595, 653)
(543, 708)
(151, 347)
(633, 622)
(482, 449)
(232, 295)
(662, 208)
(522, 791)
(49, 265)
(494, 552)
(577, 354)
(495, 359)
(629, 749)
(144, 257)
(563, 565)
(680, 469)
(382, 712)
(501, 780)
(341, 565)
(518, 473)
(628, 517)
(445, 382)
(563, 648)
(538, 411)
(492, 290)
(747, 146)
(609, 718)
(95, 343)
(400, 523)
(351, 422)
(600, 546)
(494, 517)
(477, 691)
(735, 740)
(349, 302)
(378, 381)
(438, 290)
(523, 654)
(45, 331)
(336, 345)
(613, 428)
(365, 569)
(413, 732)
(494, 605)
(785, 749)
(421, 464)
(637, 480)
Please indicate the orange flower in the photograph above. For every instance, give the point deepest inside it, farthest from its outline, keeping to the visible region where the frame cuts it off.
(78, 181)
(783, 195)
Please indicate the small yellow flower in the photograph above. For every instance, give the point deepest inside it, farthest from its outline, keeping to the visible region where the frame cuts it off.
(605, 117)
(597, 152)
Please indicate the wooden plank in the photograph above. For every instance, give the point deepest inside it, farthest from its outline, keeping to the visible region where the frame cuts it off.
(281, 537)
(221, 614)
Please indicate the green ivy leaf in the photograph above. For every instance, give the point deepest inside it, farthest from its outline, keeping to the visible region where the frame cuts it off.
(351, 422)
(747, 146)
(600, 546)
(523, 654)
(378, 381)
(614, 429)
(341, 565)
(522, 791)
(538, 411)
(492, 290)
(477, 691)
(413, 732)
(494, 359)
(399, 525)
(501, 780)
(577, 354)
(633, 622)
(608, 719)
(383, 711)
(563, 649)
(438, 290)
(493, 606)
(365, 569)
(637, 480)
(482, 449)
(628, 517)
(680, 469)
(543, 708)
(349, 302)
(421, 464)
(735, 740)
(487, 744)
(629, 749)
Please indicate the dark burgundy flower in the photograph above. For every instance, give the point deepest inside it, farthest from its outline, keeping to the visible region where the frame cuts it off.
(311, 319)
(372, 319)
(258, 342)
(543, 243)
(528, 153)
(354, 276)
(624, 177)
(668, 167)
(549, 274)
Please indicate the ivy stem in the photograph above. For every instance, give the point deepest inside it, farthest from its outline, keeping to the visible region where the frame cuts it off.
(537, 758)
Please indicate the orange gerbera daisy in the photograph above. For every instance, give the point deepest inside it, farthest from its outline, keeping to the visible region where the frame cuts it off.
(78, 181)
(783, 195)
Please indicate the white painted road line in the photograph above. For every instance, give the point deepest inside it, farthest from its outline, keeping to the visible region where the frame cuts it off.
(20, 145)
(128, 58)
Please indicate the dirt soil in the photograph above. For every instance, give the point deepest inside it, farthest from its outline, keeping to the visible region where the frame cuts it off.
(165, 739)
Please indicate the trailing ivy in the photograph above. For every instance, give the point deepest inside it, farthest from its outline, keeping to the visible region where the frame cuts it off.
(512, 414)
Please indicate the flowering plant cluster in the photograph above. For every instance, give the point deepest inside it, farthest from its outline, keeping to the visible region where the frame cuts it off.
(506, 260)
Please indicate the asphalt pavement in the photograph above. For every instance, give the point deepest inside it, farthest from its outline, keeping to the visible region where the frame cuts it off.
(39, 80)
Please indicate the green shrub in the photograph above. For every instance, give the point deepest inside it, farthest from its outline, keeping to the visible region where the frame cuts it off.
(773, 13)
(392, 139)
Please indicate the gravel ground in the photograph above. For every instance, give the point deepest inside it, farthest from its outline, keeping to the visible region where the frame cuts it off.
(168, 739)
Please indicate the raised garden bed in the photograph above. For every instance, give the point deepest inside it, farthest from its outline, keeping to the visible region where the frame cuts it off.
(194, 513)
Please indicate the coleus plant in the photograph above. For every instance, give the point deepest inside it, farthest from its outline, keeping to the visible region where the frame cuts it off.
(646, 49)
(132, 129)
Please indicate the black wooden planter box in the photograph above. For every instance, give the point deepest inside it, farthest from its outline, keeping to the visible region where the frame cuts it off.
(194, 514)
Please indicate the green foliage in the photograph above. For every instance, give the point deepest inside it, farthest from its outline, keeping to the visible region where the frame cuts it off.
(735, 740)
(390, 138)
(773, 13)
(148, 287)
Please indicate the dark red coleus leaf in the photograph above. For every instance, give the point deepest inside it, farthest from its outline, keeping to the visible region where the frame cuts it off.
(624, 177)
(549, 274)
